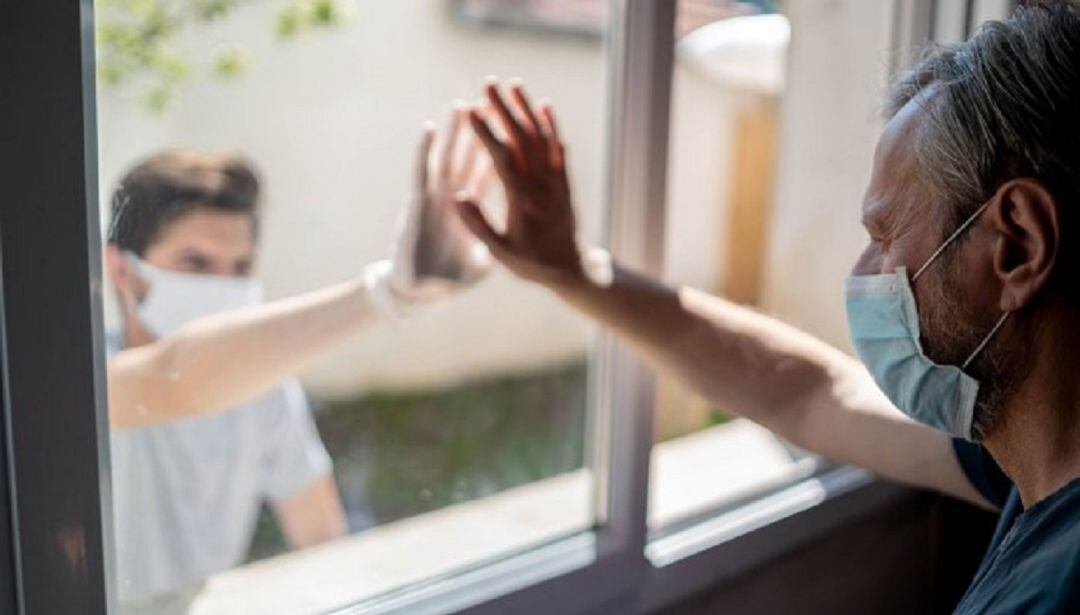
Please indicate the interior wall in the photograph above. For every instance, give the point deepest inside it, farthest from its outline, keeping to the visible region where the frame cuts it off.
(916, 557)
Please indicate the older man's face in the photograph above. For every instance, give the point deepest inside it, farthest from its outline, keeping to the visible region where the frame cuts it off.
(955, 296)
(899, 215)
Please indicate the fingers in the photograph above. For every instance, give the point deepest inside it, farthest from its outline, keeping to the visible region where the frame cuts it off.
(475, 174)
(519, 138)
(481, 181)
(450, 140)
(524, 109)
(497, 149)
(423, 157)
(547, 121)
(479, 225)
(538, 146)
(409, 218)
(469, 160)
(531, 146)
(556, 153)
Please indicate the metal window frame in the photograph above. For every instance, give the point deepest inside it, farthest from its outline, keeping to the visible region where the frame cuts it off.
(9, 600)
(53, 378)
(50, 250)
(945, 22)
(601, 570)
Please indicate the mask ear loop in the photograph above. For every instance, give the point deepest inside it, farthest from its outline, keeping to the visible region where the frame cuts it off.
(986, 340)
(963, 227)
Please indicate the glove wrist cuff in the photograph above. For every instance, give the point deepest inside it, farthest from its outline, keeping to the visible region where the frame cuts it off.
(377, 278)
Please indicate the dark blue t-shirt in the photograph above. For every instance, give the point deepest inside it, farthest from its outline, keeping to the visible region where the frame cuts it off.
(1033, 563)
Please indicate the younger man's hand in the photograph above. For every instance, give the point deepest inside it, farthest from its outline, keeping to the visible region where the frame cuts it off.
(435, 255)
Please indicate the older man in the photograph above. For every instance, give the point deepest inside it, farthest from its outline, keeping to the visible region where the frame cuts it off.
(962, 307)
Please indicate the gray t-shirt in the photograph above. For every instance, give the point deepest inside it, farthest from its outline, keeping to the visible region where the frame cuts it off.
(186, 494)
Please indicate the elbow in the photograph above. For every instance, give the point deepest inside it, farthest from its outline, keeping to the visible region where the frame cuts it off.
(790, 394)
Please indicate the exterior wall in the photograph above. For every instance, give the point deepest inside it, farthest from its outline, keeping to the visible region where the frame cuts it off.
(332, 120)
(829, 124)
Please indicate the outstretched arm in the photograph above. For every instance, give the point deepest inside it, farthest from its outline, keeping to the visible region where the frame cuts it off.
(794, 384)
(222, 360)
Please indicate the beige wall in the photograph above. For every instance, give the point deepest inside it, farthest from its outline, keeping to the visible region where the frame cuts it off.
(829, 123)
(331, 120)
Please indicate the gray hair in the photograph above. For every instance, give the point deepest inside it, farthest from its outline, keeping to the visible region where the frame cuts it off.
(1003, 104)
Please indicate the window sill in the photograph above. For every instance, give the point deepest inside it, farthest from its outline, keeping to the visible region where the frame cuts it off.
(747, 462)
(697, 473)
(740, 539)
(338, 573)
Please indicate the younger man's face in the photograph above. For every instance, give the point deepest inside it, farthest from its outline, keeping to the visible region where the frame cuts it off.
(203, 241)
(206, 241)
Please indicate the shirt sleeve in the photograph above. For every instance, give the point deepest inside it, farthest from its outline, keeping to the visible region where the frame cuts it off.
(294, 454)
(983, 472)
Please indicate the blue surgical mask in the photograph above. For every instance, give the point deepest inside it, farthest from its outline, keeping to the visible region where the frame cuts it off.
(884, 326)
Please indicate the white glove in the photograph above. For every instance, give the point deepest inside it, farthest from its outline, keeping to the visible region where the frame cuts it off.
(434, 255)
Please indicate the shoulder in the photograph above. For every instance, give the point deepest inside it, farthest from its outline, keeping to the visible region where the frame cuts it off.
(1047, 577)
(289, 397)
(1050, 582)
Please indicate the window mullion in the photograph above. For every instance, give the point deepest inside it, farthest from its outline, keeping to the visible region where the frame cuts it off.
(641, 56)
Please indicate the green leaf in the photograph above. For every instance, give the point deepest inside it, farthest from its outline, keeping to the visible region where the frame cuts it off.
(209, 10)
(134, 36)
(158, 98)
(288, 22)
(325, 13)
(230, 62)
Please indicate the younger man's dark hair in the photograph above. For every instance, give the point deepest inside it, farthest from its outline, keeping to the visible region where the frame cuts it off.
(172, 183)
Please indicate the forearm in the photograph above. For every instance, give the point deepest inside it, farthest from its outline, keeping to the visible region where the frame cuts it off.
(784, 379)
(744, 362)
(223, 360)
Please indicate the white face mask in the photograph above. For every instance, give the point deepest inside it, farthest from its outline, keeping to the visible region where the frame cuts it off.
(175, 299)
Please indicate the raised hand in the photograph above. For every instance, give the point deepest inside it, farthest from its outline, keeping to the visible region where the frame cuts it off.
(539, 242)
(435, 254)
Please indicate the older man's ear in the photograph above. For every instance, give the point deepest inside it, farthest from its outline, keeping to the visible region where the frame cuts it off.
(1027, 221)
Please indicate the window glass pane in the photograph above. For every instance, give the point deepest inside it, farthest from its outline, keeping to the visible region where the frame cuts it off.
(300, 457)
(727, 95)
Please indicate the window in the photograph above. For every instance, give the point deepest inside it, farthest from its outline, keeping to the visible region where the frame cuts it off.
(456, 436)
(727, 95)
(769, 154)
(567, 529)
